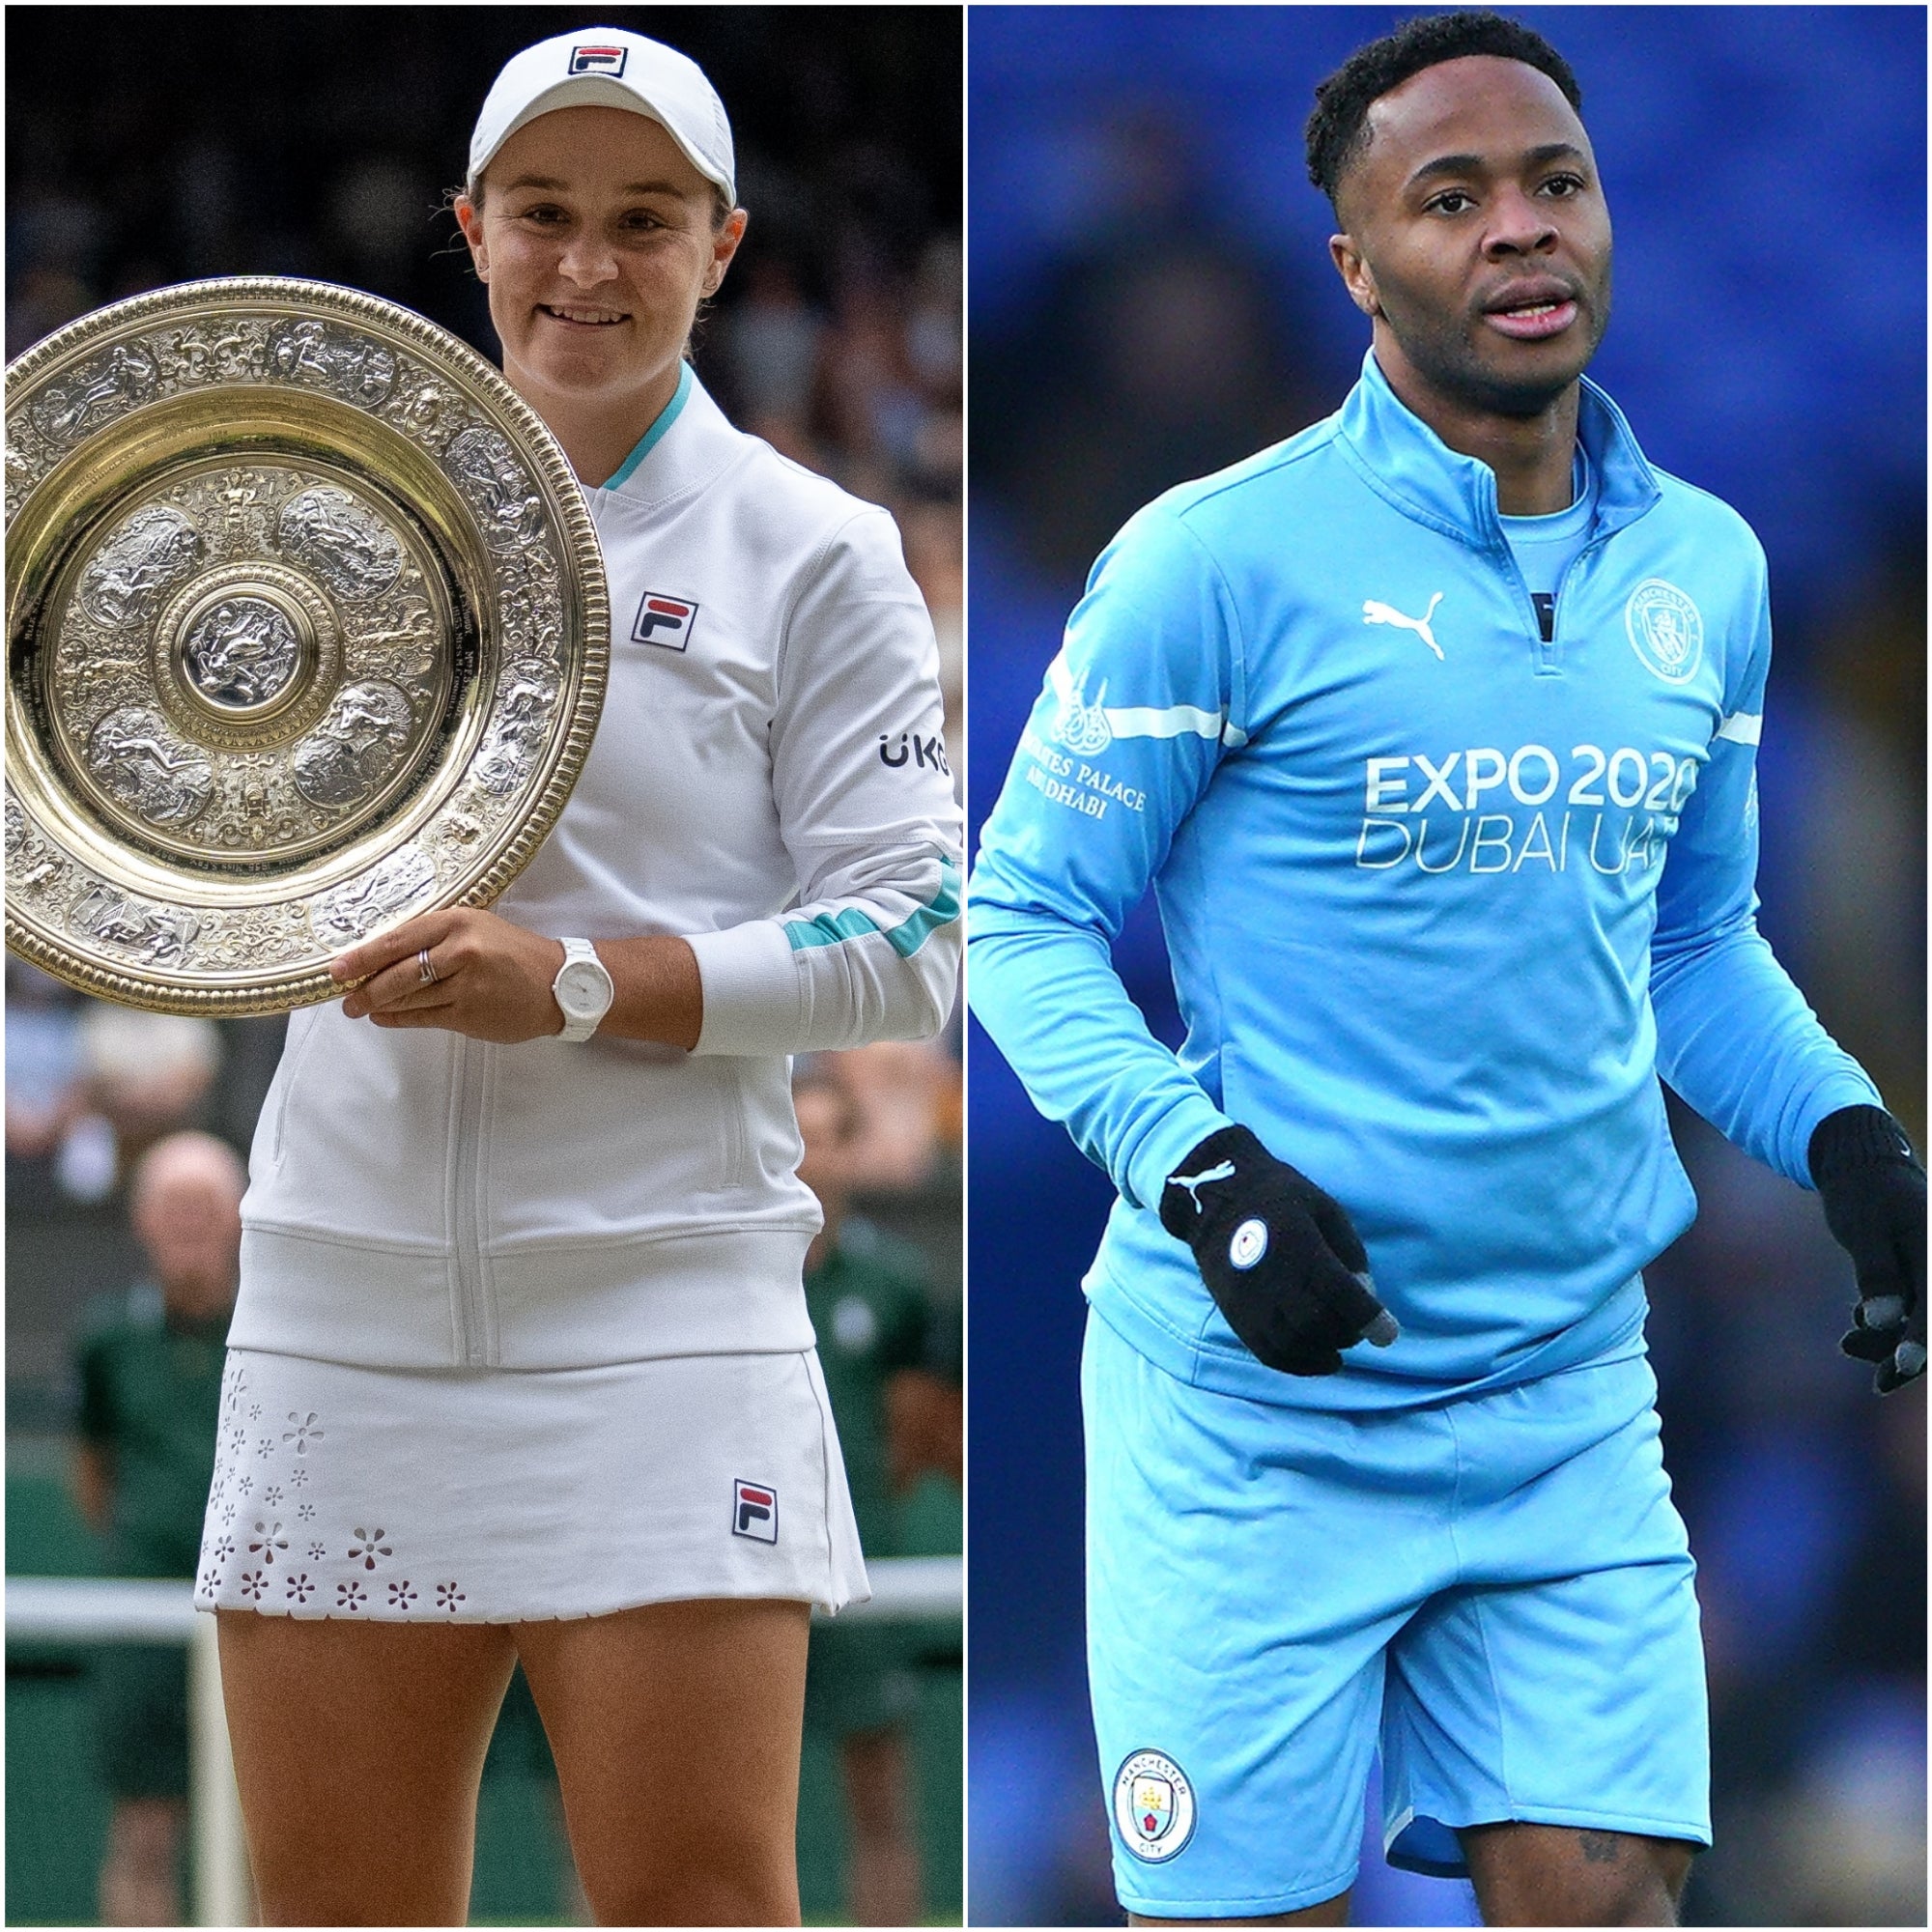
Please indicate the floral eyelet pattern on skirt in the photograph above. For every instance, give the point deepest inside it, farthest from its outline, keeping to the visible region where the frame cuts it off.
(494, 1496)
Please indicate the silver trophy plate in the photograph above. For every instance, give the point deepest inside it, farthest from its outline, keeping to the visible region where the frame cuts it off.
(307, 633)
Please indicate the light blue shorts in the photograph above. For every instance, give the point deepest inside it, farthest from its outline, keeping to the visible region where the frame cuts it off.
(1496, 1591)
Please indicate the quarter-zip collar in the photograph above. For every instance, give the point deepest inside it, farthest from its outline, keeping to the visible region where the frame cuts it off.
(688, 445)
(1404, 461)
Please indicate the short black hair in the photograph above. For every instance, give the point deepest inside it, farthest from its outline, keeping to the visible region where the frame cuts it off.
(1338, 129)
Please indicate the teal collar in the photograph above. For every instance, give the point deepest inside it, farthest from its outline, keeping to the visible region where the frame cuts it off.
(655, 435)
(1405, 461)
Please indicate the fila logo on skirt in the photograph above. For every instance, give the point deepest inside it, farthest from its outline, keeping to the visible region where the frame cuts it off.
(754, 1511)
(664, 621)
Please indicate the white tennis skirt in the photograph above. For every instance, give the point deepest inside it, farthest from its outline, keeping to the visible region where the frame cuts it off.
(492, 1495)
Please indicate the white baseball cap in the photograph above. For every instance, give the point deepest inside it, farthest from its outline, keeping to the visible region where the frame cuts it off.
(606, 67)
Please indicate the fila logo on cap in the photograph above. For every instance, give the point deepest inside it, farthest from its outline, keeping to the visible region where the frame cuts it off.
(599, 60)
(754, 1511)
(664, 621)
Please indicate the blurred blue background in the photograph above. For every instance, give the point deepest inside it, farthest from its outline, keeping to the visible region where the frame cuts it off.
(1150, 298)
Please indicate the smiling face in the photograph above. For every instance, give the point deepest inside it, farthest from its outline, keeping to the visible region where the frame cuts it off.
(597, 239)
(1477, 236)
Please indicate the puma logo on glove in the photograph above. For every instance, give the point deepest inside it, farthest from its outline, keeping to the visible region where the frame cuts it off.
(1278, 1256)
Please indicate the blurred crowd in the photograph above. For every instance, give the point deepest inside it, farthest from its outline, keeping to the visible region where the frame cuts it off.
(149, 146)
(1156, 300)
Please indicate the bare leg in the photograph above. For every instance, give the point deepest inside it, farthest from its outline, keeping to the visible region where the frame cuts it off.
(884, 1870)
(676, 1729)
(358, 1748)
(138, 1881)
(1330, 1912)
(1560, 1875)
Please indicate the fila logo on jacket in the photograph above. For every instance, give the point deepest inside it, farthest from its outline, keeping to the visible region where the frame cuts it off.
(663, 619)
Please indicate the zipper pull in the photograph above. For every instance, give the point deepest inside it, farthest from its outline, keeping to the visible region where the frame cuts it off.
(1546, 614)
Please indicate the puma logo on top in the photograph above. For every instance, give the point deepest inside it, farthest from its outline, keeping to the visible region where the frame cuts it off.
(1385, 613)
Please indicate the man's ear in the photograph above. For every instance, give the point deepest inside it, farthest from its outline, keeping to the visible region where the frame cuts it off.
(1357, 278)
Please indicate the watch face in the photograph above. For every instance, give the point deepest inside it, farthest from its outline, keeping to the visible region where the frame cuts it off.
(583, 989)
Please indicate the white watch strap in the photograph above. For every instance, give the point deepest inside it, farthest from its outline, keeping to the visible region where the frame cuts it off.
(575, 950)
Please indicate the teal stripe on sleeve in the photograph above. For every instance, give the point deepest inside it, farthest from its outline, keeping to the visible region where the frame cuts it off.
(833, 929)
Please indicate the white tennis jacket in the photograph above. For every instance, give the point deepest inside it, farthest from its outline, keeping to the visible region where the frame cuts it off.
(769, 780)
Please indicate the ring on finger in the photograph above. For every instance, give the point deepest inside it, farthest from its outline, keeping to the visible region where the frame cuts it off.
(426, 968)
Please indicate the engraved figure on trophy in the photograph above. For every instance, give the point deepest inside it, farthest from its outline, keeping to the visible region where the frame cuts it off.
(97, 393)
(329, 532)
(156, 935)
(429, 412)
(153, 548)
(234, 502)
(309, 351)
(30, 859)
(499, 486)
(342, 916)
(356, 745)
(242, 653)
(458, 833)
(19, 479)
(517, 735)
(296, 351)
(141, 763)
(312, 353)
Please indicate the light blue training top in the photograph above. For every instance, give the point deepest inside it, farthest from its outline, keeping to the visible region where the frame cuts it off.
(1443, 897)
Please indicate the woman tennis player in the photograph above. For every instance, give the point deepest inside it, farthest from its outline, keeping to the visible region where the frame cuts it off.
(520, 1367)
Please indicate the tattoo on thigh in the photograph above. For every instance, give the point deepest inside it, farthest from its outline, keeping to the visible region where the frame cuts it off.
(1600, 1848)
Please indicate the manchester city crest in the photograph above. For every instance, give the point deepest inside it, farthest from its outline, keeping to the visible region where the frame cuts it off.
(1154, 1806)
(1665, 630)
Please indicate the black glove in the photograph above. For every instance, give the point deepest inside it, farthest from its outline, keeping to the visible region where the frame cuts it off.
(1278, 1255)
(1874, 1194)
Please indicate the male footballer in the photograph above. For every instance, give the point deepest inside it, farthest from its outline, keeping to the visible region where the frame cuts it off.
(1433, 729)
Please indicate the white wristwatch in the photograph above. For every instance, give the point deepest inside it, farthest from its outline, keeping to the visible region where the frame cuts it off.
(583, 990)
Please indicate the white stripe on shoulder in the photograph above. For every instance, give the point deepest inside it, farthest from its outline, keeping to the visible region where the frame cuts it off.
(1742, 728)
(1147, 721)
(1173, 721)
